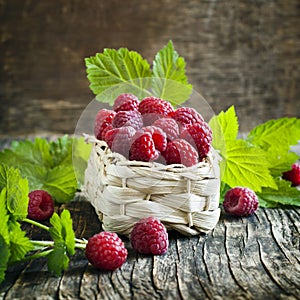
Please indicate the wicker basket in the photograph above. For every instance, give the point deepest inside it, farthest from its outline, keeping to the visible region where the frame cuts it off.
(123, 191)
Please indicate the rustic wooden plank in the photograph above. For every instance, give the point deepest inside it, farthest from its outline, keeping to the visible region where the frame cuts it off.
(249, 258)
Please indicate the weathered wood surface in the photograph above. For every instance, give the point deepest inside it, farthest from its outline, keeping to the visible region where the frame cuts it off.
(238, 52)
(242, 258)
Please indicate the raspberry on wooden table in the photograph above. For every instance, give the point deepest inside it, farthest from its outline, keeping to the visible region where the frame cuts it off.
(293, 175)
(103, 119)
(149, 236)
(240, 201)
(106, 251)
(40, 206)
(180, 151)
(200, 135)
(128, 118)
(126, 102)
(153, 108)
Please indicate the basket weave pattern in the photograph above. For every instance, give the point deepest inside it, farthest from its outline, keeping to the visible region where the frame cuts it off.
(123, 191)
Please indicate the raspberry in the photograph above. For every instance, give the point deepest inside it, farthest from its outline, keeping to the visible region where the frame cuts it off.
(169, 126)
(103, 119)
(106, 251)
(186, 115)
(40, 206)
(126, 102)
(119, 139)
(143, 147)
(240, 201)
(128, 118)
(293, 175)
(153, 108)
(159, 137)
(181, 152)
(149, 236)
(200, 135)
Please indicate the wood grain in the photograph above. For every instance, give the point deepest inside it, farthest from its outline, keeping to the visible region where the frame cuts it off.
(237, 52)
(242, 258)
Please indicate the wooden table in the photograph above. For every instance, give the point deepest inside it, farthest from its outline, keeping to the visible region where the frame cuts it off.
(242, 258)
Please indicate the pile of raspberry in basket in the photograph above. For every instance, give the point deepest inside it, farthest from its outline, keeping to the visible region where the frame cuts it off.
(152, 130)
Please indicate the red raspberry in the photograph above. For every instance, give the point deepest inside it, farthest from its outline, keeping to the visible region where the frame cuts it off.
(103, 119)
(143, 147)
(240, 201)
(149, 236)
(119, 139)
(169, 126)
(40, 206)
(126, 102)
(186, 115)
(128, 118)
(153, 108)
(159, 137)
(200, 135)
(181, 152)
(106, 251)
(293, 175)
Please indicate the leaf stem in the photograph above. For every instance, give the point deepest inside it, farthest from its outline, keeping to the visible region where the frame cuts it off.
(36, 224)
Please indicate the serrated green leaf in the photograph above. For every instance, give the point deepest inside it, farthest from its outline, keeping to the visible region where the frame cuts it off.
(114, 67)
(68, 232)
(4, 255)
(16, 189)
(224, 126)
(282, 132)
(61, 183)
(46, 165)
(284, 195)
(276, 137)
(20, 245)
(57, 260)
(280, 162)
(246, 166)
(62, 231)
(81, 154)
(4, 217)
(169, 78)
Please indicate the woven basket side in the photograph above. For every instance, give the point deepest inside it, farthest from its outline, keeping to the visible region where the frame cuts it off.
(122, 192)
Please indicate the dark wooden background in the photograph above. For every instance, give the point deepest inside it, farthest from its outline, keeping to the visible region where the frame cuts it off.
(245, 53)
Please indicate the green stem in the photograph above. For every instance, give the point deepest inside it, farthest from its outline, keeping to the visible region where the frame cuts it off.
(36, 224)
(36, 255)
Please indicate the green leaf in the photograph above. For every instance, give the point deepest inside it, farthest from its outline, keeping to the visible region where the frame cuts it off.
(280, 162)
(4, 217)
(4, 235)
(62, 230)
(282, 132)
(246, 166)
(276, 137)
(4, 254)
(46, 165)
(20, 245)
(16, 189)
(115, 67)
(284, 195)
(81, 154)
(61, 183)
(169, 78)
(57, 260)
